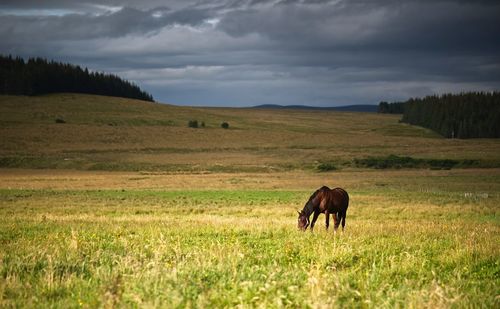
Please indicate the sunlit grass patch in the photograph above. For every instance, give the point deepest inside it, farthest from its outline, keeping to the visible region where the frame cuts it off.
(224, 248)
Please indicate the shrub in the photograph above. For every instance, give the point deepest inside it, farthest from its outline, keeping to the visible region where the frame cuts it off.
(393, 161)
(60, 120)
(326, 167)
(203, 124)
(390, 161)
(225, 125)
(193, 123)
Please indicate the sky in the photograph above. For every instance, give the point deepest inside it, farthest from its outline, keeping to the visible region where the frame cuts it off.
(251, 52)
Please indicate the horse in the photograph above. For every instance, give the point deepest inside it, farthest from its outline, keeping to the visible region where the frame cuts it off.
(327, 201)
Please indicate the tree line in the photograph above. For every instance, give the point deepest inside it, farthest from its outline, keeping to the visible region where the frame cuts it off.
(40, 76)
(464, 115)
(391, 108)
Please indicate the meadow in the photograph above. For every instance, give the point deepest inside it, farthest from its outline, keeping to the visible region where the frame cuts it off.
(145, 212)
(115, 134)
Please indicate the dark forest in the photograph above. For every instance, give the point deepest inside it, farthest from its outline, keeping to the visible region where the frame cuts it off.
(39, 76)
(464, 115)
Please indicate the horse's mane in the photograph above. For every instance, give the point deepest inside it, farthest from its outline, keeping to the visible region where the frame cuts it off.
(316, 192)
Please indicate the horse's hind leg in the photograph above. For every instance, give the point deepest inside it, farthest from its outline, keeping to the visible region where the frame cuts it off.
(327, 219)
(336, 220)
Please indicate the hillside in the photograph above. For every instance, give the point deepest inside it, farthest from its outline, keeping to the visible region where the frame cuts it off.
(123, 134)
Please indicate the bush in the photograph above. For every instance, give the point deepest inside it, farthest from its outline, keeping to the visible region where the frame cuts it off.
(60, 120)
(193, 123)
(326, 167)
(390, 161)
(393, 161)
(203, 124)
(225, 125)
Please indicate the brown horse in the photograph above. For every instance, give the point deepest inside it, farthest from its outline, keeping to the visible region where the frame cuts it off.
(327, 201)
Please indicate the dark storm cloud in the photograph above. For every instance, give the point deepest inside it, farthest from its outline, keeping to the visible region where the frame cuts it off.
(378, 24)
(245, 52)
(85, 26)
(413, 39)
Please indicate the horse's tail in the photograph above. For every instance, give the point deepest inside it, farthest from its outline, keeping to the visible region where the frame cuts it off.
(344, 206)
(346, 201)
(343, 215)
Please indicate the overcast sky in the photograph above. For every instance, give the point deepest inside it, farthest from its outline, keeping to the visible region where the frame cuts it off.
(250, 52)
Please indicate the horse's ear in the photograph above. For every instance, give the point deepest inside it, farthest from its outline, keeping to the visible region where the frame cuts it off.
(299, 212)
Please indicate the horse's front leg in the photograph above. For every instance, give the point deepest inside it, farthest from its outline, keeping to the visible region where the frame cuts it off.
(315, 217)
(327, 219)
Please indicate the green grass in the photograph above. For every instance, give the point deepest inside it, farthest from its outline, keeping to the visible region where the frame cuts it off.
(133, 248)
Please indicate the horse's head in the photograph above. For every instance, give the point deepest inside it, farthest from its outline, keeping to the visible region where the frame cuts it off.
(312, 203)
(303, 221)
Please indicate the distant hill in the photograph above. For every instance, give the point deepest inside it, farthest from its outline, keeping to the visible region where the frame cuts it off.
(89, 132)
(346, 108)
(38, 76)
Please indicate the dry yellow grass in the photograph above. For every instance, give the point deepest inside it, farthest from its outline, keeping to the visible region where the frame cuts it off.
(113, 133)
(294, 180)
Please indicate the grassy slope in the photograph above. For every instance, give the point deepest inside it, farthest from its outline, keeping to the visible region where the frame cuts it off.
(121, 134)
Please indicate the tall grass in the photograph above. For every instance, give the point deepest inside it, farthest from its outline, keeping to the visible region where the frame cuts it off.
(122, 248)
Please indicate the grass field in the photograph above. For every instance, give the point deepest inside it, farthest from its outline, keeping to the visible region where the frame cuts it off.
(103, 133)
(125, 206)
(419, 243)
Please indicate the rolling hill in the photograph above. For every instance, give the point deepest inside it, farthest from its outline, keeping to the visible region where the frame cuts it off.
(109, 133)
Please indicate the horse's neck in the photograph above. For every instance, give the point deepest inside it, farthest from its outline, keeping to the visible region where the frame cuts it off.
(308, 209)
